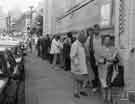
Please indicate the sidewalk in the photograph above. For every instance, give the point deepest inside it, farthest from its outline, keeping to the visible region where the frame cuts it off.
(47, 86)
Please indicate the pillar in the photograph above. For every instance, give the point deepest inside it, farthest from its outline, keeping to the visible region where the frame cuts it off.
(45, 18)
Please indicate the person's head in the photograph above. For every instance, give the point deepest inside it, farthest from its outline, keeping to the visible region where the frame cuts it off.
(82, 37)
(90, 31)
(132, 50)
(69, 34)
(57, 37)
(96, 29)
(108, 40)
(47, 35)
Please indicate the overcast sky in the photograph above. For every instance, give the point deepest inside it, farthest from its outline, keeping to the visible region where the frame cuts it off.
(17, 5)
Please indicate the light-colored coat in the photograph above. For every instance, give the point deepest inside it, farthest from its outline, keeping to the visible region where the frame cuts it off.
(55, 47)
(78, 59)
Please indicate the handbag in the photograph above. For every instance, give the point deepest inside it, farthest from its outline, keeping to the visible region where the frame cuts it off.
(115, 76)
(118, 81)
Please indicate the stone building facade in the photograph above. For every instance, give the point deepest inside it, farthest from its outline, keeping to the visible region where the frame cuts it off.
(71, 15)
(117, 16)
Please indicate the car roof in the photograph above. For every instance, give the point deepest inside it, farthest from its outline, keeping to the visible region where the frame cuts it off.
(3, 49)
(9, 43)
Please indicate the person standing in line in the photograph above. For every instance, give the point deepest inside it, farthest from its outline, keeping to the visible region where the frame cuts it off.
(30, 44)
(50, 50)
(45, 47)
(55, 50)
(91, 74)
(38, 46)
(79, 67)
(48, 44)
(67, 48)
(60, 51)
(42, 45)
(61, 42)
(70, 36)
(94, 47)
(106, 62)
(35, 41)
(66, 51)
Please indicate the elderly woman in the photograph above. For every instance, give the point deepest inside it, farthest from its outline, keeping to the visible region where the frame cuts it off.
(105, 61)
(79, 66)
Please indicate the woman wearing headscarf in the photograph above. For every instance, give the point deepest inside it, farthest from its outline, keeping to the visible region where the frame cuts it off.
(106, 62)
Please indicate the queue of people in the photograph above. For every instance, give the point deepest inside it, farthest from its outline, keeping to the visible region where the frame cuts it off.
(92, 59)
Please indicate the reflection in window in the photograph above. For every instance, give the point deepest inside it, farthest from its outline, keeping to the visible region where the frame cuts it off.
(106, 14)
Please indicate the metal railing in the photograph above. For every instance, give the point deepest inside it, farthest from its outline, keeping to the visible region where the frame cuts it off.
(75, 8)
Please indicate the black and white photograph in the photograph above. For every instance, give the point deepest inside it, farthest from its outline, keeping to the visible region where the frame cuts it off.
(67, 51)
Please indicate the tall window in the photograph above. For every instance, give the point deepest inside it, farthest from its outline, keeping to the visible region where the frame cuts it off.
(106, 14)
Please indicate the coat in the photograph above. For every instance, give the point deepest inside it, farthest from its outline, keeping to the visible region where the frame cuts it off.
(91, 74)
(78, 59)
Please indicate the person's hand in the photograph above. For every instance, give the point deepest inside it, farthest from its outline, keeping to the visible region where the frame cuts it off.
(101, 61)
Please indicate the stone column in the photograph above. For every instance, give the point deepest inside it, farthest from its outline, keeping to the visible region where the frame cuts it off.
(45, 18)
(131, 25)
(129, 72)
(116, 23)
(127, 38)
(49, 16)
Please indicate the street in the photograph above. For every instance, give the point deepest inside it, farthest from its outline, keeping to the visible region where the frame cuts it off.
(45, 85)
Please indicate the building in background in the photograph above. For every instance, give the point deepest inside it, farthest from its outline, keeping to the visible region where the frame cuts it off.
(2, 20)
(115, 17)
(73, 15)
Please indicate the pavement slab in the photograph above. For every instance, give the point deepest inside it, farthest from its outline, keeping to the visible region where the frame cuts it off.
(45, 85)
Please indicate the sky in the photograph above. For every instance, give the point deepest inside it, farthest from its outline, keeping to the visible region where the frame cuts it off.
(16, 6)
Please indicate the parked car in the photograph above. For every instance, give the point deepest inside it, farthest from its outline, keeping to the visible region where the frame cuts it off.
(11, 73)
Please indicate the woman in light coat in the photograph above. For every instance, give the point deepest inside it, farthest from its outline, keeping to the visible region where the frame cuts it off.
(106, 58)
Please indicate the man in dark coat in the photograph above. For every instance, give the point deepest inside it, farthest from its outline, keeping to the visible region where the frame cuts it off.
(48, 45)
(66, 54)
(93, 32)
(39, 46)
(43, 47)
(66, 51)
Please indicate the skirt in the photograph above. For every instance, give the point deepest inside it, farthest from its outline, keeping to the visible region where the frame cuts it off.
(102, 75)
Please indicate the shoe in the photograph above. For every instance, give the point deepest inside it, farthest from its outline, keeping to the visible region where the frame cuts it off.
(62, 67)
(83, 93)
(94, 90)
(76, 95)
(56, 68)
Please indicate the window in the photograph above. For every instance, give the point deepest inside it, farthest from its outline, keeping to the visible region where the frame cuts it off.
(106, 11)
